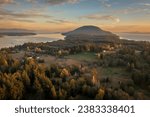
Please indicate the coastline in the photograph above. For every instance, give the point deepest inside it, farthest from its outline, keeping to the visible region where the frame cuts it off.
(134, 36)
(81, 64)
(12, 41)
(38, 38)
(16, 34)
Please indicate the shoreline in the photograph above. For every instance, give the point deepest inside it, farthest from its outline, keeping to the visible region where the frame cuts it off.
(62, 44)
(52, 40)
(16, 34)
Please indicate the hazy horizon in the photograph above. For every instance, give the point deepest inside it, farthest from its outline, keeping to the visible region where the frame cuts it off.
(57, 32)
(66, 15)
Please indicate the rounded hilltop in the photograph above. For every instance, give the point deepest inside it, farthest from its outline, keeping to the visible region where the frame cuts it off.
(91, 33)
(88, 30)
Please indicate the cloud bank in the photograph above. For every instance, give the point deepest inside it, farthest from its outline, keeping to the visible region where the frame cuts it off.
(102, 17)
(54, 2)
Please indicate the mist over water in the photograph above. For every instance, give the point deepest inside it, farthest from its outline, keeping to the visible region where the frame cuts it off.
(10, 41)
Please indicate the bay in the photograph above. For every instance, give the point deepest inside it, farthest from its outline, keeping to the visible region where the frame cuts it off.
(11, 41)
(135, 36)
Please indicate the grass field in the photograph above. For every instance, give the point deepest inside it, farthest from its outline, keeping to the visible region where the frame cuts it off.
(114, 72)
(117, 72)
(84, 56)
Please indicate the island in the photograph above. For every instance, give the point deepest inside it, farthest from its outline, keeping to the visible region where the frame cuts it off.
(16, 32)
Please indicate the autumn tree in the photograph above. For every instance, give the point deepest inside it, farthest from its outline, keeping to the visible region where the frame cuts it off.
(2, 93)
(25, 78)
(100, 94)
(54, 93)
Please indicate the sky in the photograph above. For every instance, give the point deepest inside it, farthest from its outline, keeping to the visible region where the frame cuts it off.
(65, 15)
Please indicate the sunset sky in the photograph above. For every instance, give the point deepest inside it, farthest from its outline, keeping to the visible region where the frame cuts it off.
(65, 15)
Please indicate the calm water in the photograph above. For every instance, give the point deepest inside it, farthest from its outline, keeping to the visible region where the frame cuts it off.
(10, 41)
(134, 36)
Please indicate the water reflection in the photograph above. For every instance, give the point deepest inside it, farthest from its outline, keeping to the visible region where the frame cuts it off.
(10, 41)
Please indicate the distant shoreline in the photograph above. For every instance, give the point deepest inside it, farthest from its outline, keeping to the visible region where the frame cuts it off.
(16, 34)
(135, 32)
(12, 44)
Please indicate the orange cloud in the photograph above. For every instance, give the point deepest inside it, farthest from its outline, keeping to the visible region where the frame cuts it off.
(129, 28)
(52, 27)
(5, 1)
(101, 17)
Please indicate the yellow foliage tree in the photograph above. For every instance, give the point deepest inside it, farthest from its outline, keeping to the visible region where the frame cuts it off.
(53, 91)
(64, 73)
(100, 95)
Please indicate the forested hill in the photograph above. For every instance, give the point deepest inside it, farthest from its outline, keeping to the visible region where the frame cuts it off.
(91, 33)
